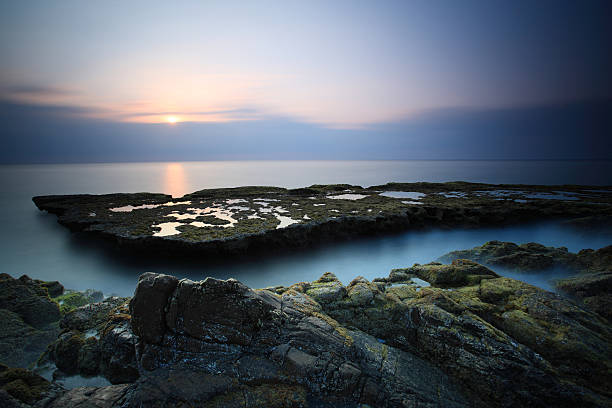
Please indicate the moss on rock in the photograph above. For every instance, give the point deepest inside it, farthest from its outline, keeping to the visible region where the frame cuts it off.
(22, 384)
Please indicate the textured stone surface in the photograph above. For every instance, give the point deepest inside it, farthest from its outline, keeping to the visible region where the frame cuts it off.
(264, 347)
(97, 339)
(29, 320)
(318, 213)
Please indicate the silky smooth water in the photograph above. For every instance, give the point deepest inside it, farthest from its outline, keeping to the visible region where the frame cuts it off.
(32, 243)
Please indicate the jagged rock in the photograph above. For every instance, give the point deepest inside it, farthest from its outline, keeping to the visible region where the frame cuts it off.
(97, 339)
(471, 338)
(29, 320)
(506, 342)
(220, 339)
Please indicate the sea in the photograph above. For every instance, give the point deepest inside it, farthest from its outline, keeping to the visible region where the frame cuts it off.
(33, 243)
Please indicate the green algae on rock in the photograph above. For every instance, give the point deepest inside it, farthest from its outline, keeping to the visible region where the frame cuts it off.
(29, 320)
(235, 220)
(592, 283)
(22, 384)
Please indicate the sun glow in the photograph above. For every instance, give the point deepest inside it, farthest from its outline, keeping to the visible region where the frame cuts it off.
(172, 119)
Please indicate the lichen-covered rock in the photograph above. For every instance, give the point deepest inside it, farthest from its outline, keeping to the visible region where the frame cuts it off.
(591, 285)
(466, 337)
(54, 288)
(97, 340)
(28, 299)
(22, 385)
(73, 299)
(507, 343)
(461, 272)
(326, 289)
(29, 320)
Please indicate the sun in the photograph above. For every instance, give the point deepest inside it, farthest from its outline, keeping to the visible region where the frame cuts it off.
(172, 119)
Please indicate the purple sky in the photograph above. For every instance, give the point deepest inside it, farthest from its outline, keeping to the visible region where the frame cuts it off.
(377, 69)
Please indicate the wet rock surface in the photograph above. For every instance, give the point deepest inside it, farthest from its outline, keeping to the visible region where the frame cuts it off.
(254, 219)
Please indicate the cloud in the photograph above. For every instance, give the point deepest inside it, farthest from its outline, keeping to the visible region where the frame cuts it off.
(581, 130)
(35, 90)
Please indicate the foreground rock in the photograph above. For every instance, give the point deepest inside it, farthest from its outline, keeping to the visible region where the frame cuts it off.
(253, 219)
(96, 339)
(219, 343)
(592, 284)
(431, 335)
(29, 319)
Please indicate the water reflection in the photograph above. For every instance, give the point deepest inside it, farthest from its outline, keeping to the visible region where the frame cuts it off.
(175, 181)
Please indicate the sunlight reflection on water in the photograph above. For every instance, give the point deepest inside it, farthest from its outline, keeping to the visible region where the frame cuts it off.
(175, 180)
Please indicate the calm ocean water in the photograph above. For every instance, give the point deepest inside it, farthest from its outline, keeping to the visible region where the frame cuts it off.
(33, 243)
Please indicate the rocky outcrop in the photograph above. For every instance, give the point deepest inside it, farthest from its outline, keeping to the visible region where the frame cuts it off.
(592, 285)
(433, 335)
(29, 319)
(507, 343)
(219, 343)
(467, 337)
(535, 257)
(594, 289)
(21, 386)
(218, 222)
(96, 339)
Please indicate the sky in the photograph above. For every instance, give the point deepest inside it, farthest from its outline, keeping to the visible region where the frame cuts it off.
(197, 80)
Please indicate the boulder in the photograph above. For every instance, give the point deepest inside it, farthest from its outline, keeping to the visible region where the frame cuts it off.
(29, 320)
(222, 344)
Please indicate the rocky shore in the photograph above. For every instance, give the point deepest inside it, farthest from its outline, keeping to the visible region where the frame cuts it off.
(221, 222)
(434, 335)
